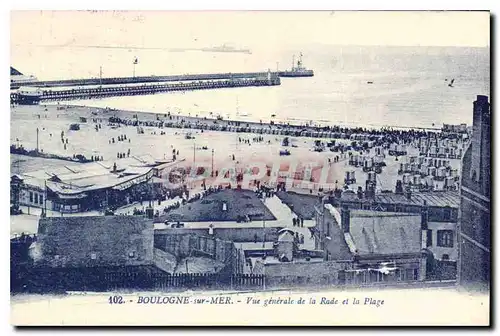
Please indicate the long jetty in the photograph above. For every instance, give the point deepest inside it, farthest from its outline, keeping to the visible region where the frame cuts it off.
(146, 89)
(141, 79)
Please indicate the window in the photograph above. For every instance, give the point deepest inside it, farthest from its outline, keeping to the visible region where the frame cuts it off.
(411, 274)
(445, 238)
(93, 256)
(131, 254)
(31, 197)
(41, 199)
(447, 214)
(429, 238)
(446, 257)
(36, 198)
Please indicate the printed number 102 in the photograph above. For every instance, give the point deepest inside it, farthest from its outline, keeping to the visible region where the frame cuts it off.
(116, 299)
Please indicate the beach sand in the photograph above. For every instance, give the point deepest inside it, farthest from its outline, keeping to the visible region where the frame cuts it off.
(51, 120)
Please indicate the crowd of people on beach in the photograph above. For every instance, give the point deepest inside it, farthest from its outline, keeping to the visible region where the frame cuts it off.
(381, 136)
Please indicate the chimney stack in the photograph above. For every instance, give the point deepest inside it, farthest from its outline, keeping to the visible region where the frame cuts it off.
(408, 192)
(360, 192)
(399, 187)
(425, 215)
(345, 218)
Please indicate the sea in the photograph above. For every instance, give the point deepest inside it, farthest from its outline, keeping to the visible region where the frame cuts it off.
(367, 86)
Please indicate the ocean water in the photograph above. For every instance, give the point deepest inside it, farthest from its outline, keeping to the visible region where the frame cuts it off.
(409, 83)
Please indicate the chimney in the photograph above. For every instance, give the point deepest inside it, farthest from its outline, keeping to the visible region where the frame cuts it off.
(369, 189)
(345, 218)
(338, 193)
(425, 215)
(480, 143)
(408, 192)
(399, 187)
(360, 192)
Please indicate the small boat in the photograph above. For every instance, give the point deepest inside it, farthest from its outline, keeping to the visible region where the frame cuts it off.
(369, 82)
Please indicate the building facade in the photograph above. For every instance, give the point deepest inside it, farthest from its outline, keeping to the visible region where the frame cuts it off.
(439, 210)
(475, 220)
(93, 186)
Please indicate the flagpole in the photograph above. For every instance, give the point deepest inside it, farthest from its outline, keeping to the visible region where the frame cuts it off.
(134, 64)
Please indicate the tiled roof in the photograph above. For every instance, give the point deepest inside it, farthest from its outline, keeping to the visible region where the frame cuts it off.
(433, 198)
(375, 232)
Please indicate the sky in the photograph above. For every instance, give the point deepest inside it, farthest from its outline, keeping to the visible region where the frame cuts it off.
(249, 29)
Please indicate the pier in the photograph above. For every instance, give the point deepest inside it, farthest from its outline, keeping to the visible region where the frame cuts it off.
(141, 79)
(88, 92)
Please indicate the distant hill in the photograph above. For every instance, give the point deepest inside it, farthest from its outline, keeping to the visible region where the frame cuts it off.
(14, 72)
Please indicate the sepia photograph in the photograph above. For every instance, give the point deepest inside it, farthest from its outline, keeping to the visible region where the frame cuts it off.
(250, 168)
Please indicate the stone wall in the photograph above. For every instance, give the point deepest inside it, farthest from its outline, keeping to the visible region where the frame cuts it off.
(238, 235)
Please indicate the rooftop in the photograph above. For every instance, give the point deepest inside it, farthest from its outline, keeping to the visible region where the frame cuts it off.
(433, 198)
(377, 232)
(75, 179)
(96, 240)
(210, 208)
(303, 205)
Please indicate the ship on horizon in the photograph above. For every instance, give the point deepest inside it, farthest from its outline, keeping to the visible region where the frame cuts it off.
(226, 48)
(297, 70)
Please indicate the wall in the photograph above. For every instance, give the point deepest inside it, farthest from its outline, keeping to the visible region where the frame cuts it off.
(328, 226)
(164, 261)
(437, 250)
(24, 198)
(95, 241)
(301, 272)
(183, 245)
(239, 235)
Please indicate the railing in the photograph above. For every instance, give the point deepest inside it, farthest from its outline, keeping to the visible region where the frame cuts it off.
(50, 280)
(140, 79)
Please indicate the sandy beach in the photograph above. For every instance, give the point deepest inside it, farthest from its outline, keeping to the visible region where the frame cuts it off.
(253, 149)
